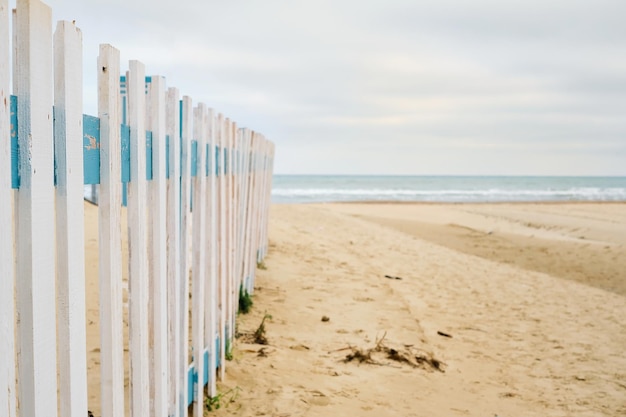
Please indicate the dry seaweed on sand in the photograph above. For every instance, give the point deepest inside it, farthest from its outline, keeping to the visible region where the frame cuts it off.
(380, 352)
(258, 336)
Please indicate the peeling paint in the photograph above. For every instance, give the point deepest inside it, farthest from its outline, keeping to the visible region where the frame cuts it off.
(93, 143)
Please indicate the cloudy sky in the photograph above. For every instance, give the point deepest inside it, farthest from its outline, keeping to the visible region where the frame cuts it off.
(390, 86)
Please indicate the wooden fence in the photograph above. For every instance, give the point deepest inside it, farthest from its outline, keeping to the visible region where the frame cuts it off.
(197, 191)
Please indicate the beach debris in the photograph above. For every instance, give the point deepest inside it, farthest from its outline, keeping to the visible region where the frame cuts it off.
(391, 277)
(325, 318)
(407, 355)
(440, 333)
(299, 347)
(259, 333)
(258, 336)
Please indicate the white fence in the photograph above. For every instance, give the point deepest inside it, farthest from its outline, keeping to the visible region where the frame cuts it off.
(197, 190)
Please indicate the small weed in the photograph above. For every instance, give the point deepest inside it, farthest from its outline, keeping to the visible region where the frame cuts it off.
(261, 265)
(259, 333)
(245, 301)
(221, 399)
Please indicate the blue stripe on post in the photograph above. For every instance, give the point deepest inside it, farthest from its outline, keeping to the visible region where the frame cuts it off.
(218, 354)
(125, 150)
(190, 378)
(217, 161)
(15, 173)
(180, 117)
(91, 150)
(205, 372)
(206, 162)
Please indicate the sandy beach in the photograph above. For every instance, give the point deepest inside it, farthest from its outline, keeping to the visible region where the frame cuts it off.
(532, 295)
(443, 309)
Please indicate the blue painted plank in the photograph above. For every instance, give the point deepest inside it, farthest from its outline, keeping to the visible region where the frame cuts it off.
(192, 374)
(125, 150)
(205, 373)
(217, 352)
(194, 158)
(206, 161)
(217, 161)
(15, 173)
(190, 381)
(180, 117)
(91, 149)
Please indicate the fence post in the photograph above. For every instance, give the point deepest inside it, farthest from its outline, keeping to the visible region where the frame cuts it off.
(110, 234)
(186, 121)
(70, 249)
(7, 272)
(35, 261)
(220, 299)
(158, 257)
(199, 253)
(211, 309)
(230, 180)
(172, 129)
(138, 278)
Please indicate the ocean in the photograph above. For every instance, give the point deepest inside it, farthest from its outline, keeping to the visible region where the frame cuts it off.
(452, 189)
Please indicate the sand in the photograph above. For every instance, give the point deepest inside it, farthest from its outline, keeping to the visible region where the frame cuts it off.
(532, 297)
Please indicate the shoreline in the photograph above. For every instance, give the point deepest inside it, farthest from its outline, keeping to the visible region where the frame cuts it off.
(549, 202)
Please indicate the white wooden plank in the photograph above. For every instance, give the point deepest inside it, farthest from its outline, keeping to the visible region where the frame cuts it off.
(241, 137)
(265, 198)
(7, 271)
(253, 237)
(249, 212)
(221, 230)
(185, 194)
(157, 187)
(262, 195)
(211, 310)
(245, 203)
(35, 261)
(138, 260)
(198, 269)
(173, 251)
(14, 50)
(70, 249)
(230, 186)
(110, 238)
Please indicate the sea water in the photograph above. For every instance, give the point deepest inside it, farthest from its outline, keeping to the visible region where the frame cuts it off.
(334, 188)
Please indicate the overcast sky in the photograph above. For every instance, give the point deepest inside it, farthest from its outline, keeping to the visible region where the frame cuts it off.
(390, 86)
